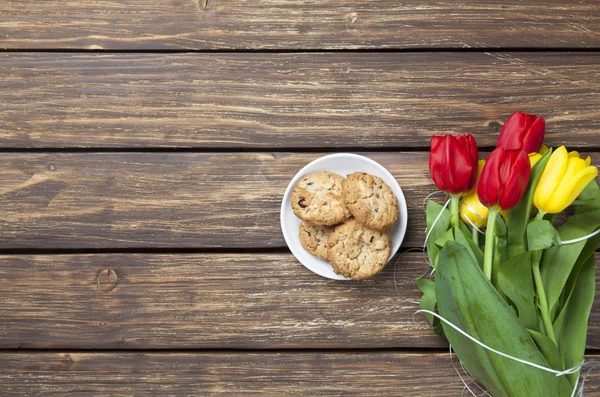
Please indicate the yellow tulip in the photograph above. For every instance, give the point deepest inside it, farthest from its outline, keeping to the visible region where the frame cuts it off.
(471, 209)
(534, 158)
(563, 179)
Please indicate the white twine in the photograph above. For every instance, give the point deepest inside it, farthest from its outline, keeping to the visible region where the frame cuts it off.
(472, 380)
(460, 376)
(556, 372)
(576, 240)
(575, 388)
(428, 196)
(473, 225)
(434, 223)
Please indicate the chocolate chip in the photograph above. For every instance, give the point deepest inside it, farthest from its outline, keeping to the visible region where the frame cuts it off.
(372, 238)
(309, 184)
(301, 202)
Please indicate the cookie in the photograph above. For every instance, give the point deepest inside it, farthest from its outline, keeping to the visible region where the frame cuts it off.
(370, 200)
(317, 199)
(314, 239)
(356, 251)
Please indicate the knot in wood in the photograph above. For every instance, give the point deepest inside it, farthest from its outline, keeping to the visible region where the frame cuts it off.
(351, 19)
(107, 280)
(494, 126)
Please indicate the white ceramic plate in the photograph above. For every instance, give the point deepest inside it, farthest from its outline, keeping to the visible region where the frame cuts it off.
(343, 164)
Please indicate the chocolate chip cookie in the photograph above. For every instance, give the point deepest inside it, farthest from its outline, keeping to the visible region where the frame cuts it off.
(356, 251)
(370, 200)
(317, 199)
(314, 239)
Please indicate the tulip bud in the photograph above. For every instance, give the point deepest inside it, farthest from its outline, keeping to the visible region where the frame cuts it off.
(522, 132)
(471, 209)
(504, 178)
(453, 163)
(563, 179)
(534, 158)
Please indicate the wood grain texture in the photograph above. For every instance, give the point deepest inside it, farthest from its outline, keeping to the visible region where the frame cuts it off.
(279, 101)
(284, 24)
(156, 200)
(239, 374)
(183, 301)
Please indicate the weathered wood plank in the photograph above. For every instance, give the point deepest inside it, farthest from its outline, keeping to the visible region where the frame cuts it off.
(332, 100)
(152, 200)
(210, 301)
(283, 24)
(247, 374)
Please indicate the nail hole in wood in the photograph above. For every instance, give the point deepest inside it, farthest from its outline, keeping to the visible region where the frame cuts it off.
(107, 280)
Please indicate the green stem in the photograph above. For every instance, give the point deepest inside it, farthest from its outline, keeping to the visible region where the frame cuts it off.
(496, 260)
(475, 235)
(540, 216)
(539, 286)
(490, 249)
(454, 200)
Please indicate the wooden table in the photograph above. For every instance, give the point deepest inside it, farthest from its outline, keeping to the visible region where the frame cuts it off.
(145, 149)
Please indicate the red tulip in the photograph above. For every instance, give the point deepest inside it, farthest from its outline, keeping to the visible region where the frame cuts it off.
(522, 131)
(504, 178)
(453, 163)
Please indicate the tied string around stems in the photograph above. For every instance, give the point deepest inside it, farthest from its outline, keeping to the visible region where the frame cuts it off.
(568, 371)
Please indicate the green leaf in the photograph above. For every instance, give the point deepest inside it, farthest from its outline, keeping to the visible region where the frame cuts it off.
(558, 262)
(441, 226)
(571, 324)
(466, 241)
(468, 300)
(589, 199)
(448, 236)
(548, 349)
(515, 279)
(499, 257)
(464, 228)
(591, 192)
(500, 226)
(541, 235)
(588, 250)
(519, 215)
(428, 302)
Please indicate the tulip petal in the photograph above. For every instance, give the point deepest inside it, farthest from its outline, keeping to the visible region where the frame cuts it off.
(588, 161)
(535, 135)
(436, 162)
(574, 165)
(489, 181)
(543, 149)
(472, 209)
(474, 152)
(534, 158)
(551, 177)
(461, 170)
(568, 192)
(517, 181)
(512, 132)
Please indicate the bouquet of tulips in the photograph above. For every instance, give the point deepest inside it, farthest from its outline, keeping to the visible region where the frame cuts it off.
(513, 300)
